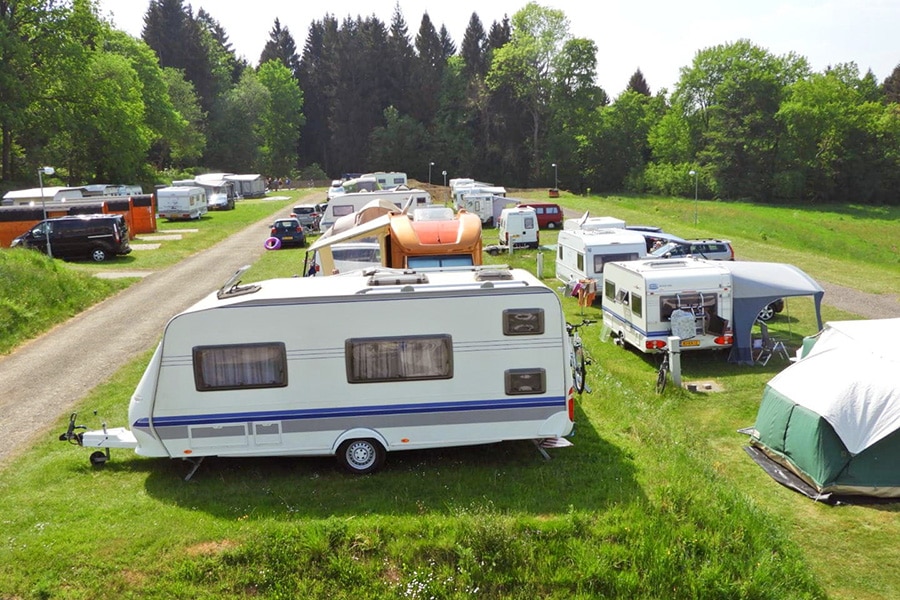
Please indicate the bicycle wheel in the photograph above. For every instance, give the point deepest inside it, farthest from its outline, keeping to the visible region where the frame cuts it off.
(578, 371)
(662, 377)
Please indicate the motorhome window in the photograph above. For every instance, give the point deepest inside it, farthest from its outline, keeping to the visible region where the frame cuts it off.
(602, 259)
(409, 358)
(696, 302)
(523, 321)
(452, 260)
(240, 366)
(341, 210)
(525, 381)
(529, 222)
(609, 289)
(637, 305)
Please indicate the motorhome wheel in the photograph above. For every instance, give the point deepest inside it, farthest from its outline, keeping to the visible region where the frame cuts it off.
(361, 456)
(98, 254)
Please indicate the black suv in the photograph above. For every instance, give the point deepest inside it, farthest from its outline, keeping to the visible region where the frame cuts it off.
(96, 237)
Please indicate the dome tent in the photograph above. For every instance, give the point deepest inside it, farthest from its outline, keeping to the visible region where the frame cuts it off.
(832, 419)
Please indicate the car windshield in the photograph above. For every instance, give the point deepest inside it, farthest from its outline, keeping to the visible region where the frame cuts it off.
(670, 249)
(286, 224)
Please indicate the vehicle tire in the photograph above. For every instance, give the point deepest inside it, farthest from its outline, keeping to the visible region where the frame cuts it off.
(361, 456)
(99, 255)
(766, 314)
(578, 371)
(273, 243)
(551, 225)
(98, 458)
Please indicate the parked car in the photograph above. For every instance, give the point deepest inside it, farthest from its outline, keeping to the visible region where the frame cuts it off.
(289, 232)
(97, 237)
(770, 310)
(309, 216)
(549, 215)
(710, 249)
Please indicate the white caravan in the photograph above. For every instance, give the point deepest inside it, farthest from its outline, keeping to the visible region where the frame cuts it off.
(181, 202)
(375, 367)
(590, 223)
(646, 301)
(347, 204)
(388, 180)
(582, 254)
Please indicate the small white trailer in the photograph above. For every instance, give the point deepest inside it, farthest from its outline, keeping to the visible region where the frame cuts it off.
(583, 254)
(181, 202)
(646, 301)
(376, 367)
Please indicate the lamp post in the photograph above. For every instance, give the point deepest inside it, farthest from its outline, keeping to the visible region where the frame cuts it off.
(555, 176)
(41, 172)
(693, 174)
(444, 173)
(430, 164)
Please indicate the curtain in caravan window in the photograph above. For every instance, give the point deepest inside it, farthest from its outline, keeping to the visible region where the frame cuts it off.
(240, 366)
(397, 359)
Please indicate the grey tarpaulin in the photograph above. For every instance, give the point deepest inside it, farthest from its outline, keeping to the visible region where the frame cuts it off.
(756, 284)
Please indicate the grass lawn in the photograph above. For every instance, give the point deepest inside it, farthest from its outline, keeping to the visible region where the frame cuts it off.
(656, 499)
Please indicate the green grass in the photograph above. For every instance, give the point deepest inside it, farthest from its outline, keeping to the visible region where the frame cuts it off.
(656, 499)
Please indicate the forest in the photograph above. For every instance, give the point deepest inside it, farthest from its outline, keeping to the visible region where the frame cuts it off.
(514, 103)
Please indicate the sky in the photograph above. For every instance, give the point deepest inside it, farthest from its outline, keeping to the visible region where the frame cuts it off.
(659, 37)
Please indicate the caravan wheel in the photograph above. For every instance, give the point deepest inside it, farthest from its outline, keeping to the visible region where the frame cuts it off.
(361, 456)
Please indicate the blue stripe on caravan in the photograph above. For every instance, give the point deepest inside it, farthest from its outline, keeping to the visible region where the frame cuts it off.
(353, 411)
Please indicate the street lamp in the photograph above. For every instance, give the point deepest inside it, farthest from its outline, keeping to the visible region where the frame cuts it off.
(555, 176)
(444, 173)
(41, 172)
(693, 174)
(431, 164)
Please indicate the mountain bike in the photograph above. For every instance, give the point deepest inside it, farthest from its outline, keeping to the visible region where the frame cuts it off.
(662, 375)
(578, 359)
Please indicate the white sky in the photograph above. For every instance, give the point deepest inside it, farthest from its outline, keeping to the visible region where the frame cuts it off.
(657, 36)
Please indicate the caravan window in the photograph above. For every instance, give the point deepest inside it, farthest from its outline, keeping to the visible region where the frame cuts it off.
(695, 302)
(580, 262)
(523, 321)
(637, 305)
(609, 289)
(341, 210)
(602, 259)
(525, 381)
(450, 260)
(408, 358)
(240, 366)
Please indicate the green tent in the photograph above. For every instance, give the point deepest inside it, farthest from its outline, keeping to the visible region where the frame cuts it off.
(829, 424)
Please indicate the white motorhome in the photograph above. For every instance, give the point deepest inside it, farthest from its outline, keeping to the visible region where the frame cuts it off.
(181, 202)
(388, 180)
(582, 254)
(487, 205)
(376, 367)
(346, 204)
(518, 227)
(646, 301)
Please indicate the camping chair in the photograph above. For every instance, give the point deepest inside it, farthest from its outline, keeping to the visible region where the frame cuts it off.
(766, 345)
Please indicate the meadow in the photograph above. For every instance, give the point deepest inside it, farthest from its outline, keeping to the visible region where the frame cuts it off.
(655, 499)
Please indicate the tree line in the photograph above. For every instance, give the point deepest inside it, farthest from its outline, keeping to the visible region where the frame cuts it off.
(516, 104)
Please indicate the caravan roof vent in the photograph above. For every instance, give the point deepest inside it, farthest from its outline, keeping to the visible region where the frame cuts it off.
(386, 278)
(233, 286)
(493, 275)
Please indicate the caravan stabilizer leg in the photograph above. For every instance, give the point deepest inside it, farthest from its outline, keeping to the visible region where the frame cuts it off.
(554, 442)
(196, 462)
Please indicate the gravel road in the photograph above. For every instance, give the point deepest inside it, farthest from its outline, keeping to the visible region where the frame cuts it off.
(47, 377)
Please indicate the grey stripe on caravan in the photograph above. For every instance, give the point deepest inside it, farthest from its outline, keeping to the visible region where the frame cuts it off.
(370, 422)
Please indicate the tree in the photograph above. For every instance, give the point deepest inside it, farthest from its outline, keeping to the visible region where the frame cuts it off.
(184, 147)
(638, 84)
(317, 76)
(281, 120)
(429, 72)
(526, 65)
(281, 47)
(891, 86)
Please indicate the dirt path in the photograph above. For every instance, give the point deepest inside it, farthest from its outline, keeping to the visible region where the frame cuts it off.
(48, 376)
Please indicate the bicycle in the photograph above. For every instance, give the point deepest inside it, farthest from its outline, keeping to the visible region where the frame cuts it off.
(662, 375)
(578, 359)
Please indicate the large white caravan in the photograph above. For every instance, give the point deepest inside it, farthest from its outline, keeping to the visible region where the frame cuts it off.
(347, 204)
(646, 301)
(181, 202)
(582, 254)
(376, 367)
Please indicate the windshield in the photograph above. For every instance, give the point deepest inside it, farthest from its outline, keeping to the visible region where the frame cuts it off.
(670, 249)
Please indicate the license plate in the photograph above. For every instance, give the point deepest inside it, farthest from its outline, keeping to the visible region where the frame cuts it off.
(688, 343)
(287, 237)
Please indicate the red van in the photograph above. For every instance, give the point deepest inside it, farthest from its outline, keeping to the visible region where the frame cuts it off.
(549, 215)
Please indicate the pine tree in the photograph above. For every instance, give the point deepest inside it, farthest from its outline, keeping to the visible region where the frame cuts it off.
(638, 84)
